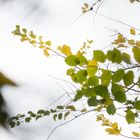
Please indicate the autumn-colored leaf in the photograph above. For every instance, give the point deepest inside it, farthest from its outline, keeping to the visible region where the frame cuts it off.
(65, 49)
(132, 31)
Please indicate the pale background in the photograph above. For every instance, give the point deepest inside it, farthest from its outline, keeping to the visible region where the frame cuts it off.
(29, 67)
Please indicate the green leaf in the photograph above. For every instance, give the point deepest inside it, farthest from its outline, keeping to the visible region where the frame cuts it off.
(93, 101)
(81, 76)
(115, 56)
(18, 123)
(66, 114)
(128, 78)
(28, 119)
(12, 124)
(82, 60)
(130, 117)
(136, 53)
(99, 56)
(118, 93)
(126, 58)
(89, 92)
(38, 117)
(106, 77)
(47, 112)
(60, 107)
(71, 60)
(71, 107)
(60, 115)
(32, 114)
(55, 116)
(41, 112)
(78, 95)
(70, 71)
(101, 91)
(137, 105)
(111, 109)
(93, 81)
(118, 75)
(52, 110)
(91, 71)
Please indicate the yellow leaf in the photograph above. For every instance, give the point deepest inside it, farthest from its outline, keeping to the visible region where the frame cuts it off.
(131, 41)
(112, 131)
(92, 63)
(48, 43)
(41, 46)
(132, 31)
(65, 50)
(115, 125)
(46, 52)
(136, 134)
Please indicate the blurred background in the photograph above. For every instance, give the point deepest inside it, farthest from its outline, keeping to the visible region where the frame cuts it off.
(29, 86)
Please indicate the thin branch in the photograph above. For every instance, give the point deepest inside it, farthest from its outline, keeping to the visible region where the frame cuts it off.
(133, 67)
(129, 137)
(56, 100)
(62, 80)
(67, 123)
(121, 22)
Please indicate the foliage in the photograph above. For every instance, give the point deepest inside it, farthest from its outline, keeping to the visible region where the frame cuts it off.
(105, 80)
(102, 86)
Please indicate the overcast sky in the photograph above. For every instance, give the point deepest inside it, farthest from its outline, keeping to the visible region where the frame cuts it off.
(29, 67)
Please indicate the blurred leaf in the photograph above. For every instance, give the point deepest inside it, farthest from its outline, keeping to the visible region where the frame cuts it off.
(28, 119)
(136, 134)
(5, 81)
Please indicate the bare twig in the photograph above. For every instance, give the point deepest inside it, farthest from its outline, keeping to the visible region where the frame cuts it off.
(67, 122)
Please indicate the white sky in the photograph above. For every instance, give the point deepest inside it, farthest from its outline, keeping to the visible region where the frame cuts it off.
(29, 67)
